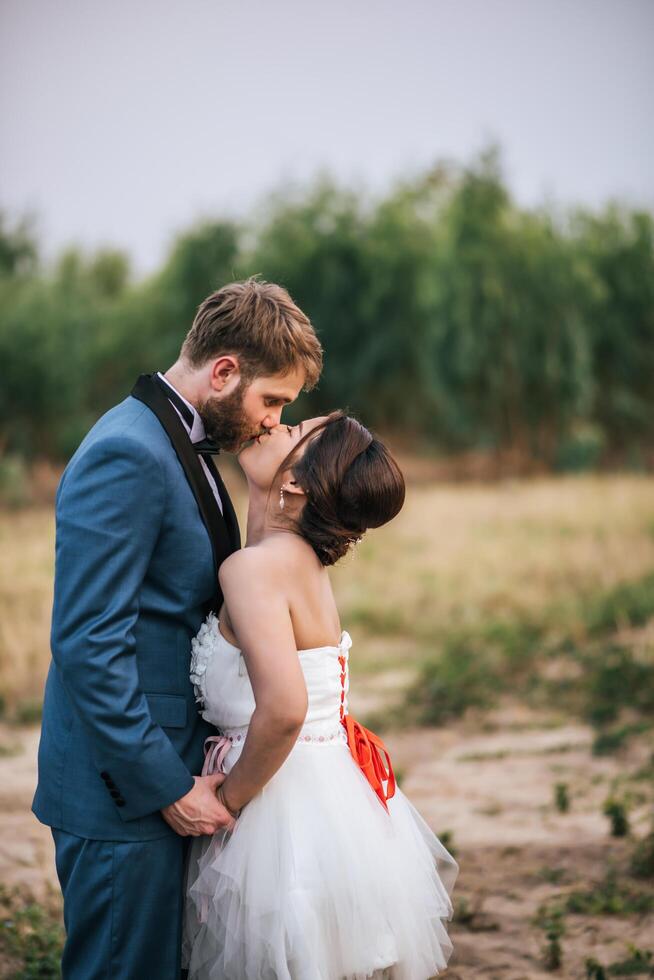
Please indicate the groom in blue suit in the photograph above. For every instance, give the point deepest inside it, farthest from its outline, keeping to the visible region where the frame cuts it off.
(143, 523)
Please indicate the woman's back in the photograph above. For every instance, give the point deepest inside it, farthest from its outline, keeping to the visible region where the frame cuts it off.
(226, 699)
(305, 586)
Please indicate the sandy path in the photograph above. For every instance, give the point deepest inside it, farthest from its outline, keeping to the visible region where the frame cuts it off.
(493, 790)
(26, 849)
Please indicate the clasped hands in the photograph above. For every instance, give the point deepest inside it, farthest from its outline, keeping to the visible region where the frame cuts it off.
(201, 812)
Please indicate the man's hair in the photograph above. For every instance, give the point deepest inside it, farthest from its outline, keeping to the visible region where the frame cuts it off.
(259, 322)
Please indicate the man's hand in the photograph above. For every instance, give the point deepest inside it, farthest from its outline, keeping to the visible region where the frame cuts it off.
(199, 812)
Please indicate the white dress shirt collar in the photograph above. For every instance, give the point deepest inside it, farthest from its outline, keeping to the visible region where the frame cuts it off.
(196, 431)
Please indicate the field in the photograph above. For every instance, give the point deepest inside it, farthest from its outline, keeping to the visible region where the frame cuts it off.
(503, 640)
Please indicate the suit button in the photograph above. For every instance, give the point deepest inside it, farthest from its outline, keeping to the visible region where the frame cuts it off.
(120, 802)
(115, 794)
(110, 784)
(104, 775)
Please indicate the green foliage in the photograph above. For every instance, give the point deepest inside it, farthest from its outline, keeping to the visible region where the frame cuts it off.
(447, 312)
(611, 740)
(18, 249)
(31, 939)
(471, 667)
(629, 604)
(551, 920)
(615, 680)
(616, 811)
(581, 449)
(554, 876)
(471, 916)
(595, 970)
(610, 897)
(457, 680)
(642, 858)
(463, 912)
(446, 838)
(618, 246)
(28, 712)
(561, 797)
(14, 482)
(638, 963)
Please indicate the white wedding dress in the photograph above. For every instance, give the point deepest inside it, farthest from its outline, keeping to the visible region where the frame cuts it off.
(318, 881)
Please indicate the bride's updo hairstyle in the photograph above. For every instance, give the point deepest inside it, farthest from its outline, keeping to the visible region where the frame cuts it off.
(351, 483)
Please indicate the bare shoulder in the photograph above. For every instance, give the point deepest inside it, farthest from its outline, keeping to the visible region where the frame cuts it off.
(242, 564)
(292, 553)
(255, 594)
(274, 559)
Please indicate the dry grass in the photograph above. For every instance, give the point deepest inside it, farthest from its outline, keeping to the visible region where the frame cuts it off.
(26, 567)
(455, 555)
(460, 555)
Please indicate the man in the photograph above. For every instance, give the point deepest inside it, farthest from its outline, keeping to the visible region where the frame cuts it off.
(143, 523)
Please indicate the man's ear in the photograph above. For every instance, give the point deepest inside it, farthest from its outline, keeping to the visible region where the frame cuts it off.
(224, 369)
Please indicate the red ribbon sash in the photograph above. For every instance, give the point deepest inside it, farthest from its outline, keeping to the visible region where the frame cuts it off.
(372, 757)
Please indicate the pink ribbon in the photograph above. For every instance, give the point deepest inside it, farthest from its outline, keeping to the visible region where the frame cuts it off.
(216, 748)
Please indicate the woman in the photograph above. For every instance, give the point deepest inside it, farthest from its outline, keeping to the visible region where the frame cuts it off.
(328, 872)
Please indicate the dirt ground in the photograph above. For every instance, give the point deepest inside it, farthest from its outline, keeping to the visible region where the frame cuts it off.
(490, 784)
(494, 791)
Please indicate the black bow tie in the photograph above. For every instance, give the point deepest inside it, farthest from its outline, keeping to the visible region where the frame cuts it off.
(206, 446)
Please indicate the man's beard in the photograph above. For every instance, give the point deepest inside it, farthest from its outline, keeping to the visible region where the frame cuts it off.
(224, 420)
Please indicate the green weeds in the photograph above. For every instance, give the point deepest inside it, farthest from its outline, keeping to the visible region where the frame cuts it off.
(551, 920)
(638, 963)
(472, 667)
(31, 939)
(561, 797)
(610, 896)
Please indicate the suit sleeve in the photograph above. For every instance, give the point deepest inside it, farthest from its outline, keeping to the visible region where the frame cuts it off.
(110, 508)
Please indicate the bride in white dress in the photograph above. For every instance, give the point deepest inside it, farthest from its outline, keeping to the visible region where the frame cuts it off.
(327, 872)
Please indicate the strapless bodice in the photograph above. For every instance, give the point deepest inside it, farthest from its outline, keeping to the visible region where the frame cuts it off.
(225, 695)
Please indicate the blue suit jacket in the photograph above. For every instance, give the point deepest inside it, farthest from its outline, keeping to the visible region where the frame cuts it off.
(134, 574)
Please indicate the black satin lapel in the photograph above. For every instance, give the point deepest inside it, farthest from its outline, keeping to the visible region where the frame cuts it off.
(229, 513)
(148, 392)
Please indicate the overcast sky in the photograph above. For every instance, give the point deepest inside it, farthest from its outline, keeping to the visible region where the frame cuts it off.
(122, 121)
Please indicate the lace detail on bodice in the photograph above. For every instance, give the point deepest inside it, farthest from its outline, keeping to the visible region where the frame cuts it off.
(202, 650)
(225, 697)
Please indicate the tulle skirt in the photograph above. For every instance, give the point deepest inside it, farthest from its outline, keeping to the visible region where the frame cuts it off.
(318, 882)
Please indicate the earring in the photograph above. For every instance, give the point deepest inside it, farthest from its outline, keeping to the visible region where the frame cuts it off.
(281, 498)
